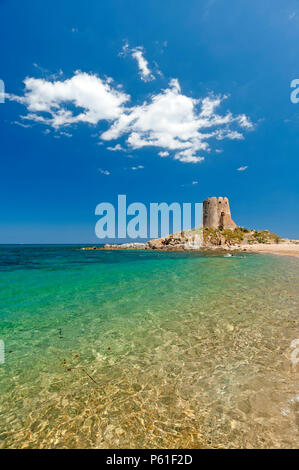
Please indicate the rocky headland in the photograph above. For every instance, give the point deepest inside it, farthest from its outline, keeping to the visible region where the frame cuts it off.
(219, 232)
(207, 239)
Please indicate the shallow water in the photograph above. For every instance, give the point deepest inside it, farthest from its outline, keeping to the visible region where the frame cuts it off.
(142, 349)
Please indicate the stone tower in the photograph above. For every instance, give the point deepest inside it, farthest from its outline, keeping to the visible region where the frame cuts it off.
(216, 213)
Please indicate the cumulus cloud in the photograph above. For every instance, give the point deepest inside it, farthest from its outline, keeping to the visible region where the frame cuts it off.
(93, 98)
(175, 122)
(178, 125)
(242, 168)
(138, 54)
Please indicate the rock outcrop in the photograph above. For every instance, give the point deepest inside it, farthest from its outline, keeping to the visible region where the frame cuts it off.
(218, 231)
(126, 246)
(184, 240)
(202, 239)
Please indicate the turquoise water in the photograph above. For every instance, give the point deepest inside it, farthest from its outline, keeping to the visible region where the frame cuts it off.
(111, 349)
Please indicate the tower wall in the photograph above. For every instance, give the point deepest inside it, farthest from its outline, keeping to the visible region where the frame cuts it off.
(210, 213)
(216, 213)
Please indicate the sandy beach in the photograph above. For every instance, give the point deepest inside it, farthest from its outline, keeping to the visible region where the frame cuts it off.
(286, 249)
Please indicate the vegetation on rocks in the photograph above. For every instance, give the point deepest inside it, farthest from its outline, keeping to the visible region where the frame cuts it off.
(238, 236)
(206, 238)
(215, 238)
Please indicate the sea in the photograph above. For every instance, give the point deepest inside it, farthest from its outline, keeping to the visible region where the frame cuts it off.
(144, 349)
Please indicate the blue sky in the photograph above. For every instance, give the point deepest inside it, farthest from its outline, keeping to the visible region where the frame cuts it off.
(189, 92)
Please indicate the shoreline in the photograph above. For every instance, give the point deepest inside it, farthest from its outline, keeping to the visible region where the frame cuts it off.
(280, 249)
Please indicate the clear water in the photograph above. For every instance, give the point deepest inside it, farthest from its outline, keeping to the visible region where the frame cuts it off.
(140, 349)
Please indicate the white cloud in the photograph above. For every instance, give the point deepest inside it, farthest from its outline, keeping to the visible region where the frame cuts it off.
(104, 172)
(83, 91)
(144, 70)
(228, 134)
(242, 168)
(138, 167)
(193, 183)
(163, 154)
(174, 121)
(116, 148)
(17, 123)
(186, 156)
(46, 73)
(245, 122)
(169, 120)
(138, 54)
(66, 134)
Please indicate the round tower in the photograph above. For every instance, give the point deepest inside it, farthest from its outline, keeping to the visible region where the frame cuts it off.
(210, 213)
(216, 213)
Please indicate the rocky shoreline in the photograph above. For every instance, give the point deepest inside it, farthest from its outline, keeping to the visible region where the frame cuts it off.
(214, 240)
